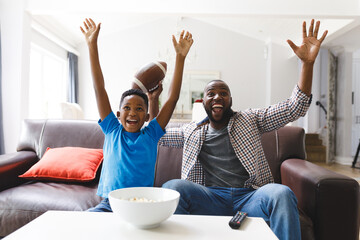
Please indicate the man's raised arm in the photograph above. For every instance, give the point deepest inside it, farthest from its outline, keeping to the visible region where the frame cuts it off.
(307, 53)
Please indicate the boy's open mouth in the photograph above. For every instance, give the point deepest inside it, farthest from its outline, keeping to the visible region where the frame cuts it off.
(131, 121)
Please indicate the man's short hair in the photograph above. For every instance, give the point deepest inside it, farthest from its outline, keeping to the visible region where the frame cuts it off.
(137, 92)
(217, 80)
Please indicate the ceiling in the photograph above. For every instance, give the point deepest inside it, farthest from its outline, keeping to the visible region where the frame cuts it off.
(275, 20)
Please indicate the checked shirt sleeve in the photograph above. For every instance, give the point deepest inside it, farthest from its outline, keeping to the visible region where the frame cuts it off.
(278, 115)
(174, 137)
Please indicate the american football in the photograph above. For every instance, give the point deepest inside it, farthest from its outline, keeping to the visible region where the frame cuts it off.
(148, 77)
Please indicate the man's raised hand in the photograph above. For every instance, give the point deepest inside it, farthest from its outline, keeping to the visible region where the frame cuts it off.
(310, 46)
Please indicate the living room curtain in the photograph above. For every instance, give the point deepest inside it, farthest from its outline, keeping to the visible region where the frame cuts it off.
(2, 145)
(331, 112)
(73, 78)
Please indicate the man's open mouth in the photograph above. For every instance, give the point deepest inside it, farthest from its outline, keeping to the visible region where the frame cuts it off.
(217, 108)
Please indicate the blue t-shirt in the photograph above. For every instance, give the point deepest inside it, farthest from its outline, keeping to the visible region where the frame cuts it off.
(129, 158)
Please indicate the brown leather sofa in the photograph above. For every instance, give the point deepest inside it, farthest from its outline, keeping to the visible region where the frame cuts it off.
(328, 202)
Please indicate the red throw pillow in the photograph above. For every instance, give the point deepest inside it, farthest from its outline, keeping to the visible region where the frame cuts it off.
(67, 164)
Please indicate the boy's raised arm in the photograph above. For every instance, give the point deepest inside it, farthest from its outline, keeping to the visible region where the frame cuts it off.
(91, 34)
(182, 48)
(154, 102)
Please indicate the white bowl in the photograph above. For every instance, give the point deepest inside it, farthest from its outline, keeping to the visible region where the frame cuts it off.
(144, 214)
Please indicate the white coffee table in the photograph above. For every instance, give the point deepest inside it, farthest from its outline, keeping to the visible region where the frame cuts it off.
(67, 225)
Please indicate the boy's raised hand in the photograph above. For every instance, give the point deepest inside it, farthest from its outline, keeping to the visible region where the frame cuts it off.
(91, 34)
(310, 46)
(155, 94)
(91, 31)
(182, 46)
(154, 101)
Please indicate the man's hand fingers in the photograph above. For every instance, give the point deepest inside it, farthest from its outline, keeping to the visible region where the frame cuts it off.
(323, 36)
(311, 28)
(292, 45)
(82, 30)
(304, 30)
(316, 29)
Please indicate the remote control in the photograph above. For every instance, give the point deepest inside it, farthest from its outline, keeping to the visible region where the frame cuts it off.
(236, 220)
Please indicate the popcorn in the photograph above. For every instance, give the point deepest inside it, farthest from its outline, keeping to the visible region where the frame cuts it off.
(140, 199)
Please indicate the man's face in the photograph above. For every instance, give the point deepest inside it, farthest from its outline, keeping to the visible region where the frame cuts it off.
(217, 101)
(133, 113)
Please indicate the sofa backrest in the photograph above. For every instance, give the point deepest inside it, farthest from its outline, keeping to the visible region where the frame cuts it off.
(285, 143)
(37, 135)
(279, 145)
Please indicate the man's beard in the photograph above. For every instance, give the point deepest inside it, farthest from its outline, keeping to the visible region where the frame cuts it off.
(227, 115)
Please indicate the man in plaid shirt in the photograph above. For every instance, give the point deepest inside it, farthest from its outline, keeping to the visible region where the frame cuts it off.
(224, 169)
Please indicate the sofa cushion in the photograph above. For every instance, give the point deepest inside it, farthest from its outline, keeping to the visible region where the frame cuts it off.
(21, 204)
(68, 164)
(168, 165)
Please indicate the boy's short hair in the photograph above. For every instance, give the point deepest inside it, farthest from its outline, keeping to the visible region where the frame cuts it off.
(137, 92)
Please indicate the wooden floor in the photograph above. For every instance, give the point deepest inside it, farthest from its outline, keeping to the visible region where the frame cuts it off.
(343, 169)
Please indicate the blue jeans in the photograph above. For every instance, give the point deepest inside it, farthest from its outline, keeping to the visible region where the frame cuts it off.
(275, 203)
(103, 206)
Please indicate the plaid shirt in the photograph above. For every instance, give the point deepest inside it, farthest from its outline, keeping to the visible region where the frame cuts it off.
(245, 129)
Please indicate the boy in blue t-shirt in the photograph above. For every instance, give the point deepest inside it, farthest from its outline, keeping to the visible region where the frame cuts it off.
(130, 150)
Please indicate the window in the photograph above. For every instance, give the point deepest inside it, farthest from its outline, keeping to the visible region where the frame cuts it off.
(48, 78)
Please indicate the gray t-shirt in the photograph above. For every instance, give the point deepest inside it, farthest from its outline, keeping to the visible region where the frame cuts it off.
(221, 166)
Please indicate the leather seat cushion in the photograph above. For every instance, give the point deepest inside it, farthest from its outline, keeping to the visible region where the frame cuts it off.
(24, 203)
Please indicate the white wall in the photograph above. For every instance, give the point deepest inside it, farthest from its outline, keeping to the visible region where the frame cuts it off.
(240, 60)
(48, 45)
(16, 37)
(356, 103)
(284, 73)
(313, 115)
(15, 41)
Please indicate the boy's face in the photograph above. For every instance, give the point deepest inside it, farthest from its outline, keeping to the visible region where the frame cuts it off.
(133, 113)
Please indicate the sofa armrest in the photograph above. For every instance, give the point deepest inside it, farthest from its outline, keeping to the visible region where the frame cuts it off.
(321, 193)
(14, 164)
